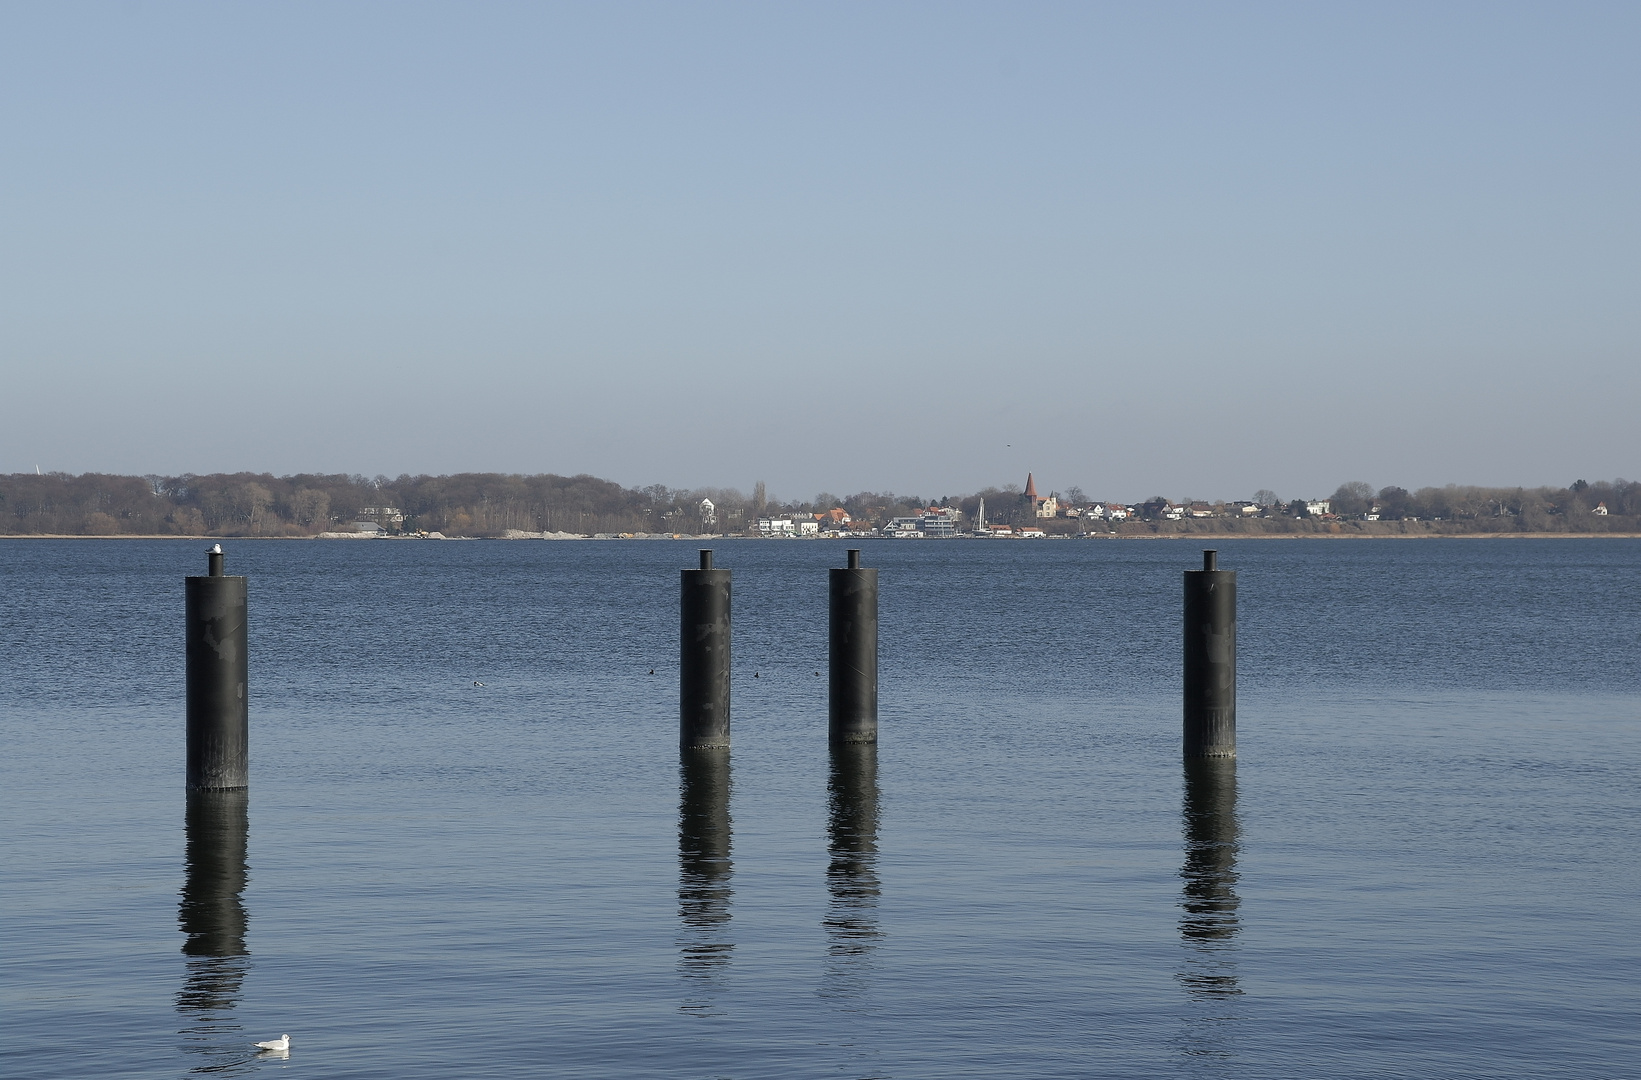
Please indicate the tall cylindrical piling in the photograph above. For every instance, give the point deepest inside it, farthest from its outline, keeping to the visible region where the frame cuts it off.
(703, 662)
(217, 670)
(851, 698)
(1210, 660)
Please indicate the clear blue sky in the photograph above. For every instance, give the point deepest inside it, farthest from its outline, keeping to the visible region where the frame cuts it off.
(1144, 248)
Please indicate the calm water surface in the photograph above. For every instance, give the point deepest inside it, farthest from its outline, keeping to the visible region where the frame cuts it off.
(1423, 864)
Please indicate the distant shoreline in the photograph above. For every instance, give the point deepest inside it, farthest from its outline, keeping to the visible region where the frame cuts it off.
(856, 539)
(547, 506)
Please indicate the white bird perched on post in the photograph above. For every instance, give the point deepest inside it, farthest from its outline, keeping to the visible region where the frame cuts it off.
(281, 1043)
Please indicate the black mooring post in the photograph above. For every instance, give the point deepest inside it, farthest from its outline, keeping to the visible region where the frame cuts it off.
(703, 662)
(218, 704)
(851, 697)
(1210, 660)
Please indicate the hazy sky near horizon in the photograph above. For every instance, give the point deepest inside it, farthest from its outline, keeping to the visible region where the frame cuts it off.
(1187, 249)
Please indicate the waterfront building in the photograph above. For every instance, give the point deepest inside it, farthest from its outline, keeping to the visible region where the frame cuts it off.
(939, 520)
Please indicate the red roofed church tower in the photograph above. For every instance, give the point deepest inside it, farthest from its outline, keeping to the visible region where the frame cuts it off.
(1039, 506)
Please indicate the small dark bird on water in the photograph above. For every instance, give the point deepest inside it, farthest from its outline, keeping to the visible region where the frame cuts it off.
(477, 683)
(754, 674)
(652, 671)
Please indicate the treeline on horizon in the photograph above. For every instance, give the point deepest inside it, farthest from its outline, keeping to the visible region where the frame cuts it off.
(491, 504)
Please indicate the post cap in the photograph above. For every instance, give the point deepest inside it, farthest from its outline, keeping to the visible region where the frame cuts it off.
(854, 558)
(1210, 559)
(706, 558)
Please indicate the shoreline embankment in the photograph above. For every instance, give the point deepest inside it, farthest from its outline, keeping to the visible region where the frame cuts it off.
(652, 537)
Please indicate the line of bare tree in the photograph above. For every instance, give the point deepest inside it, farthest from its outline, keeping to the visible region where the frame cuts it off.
(491, 504)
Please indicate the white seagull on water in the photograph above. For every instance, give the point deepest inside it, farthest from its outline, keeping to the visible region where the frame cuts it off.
(281, 1043)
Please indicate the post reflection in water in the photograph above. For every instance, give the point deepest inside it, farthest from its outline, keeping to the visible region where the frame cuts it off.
(704, 868)
(851, 922)
(1208, 922)
(214, 919)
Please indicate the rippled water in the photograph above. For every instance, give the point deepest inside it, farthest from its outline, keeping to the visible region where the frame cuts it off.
(1423, 863)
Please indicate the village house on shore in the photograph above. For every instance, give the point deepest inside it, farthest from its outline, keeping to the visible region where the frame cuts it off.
(1026, 516)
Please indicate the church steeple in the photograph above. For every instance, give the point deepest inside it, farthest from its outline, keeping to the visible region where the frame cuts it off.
(1031, 491)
